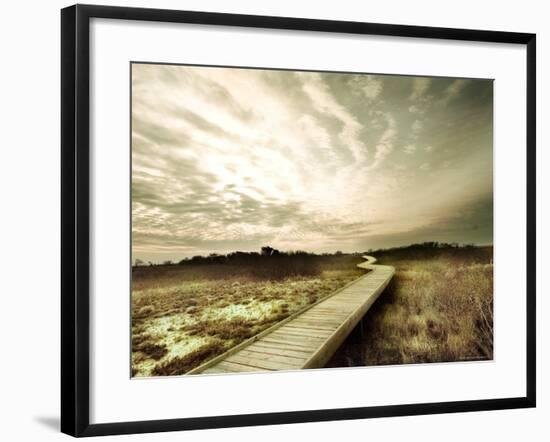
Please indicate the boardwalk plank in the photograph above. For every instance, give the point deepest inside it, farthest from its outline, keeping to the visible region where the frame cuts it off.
(308, 326)
(292, 343)
(279, 349)
(231, 367)
(276, 358)
(263, 363)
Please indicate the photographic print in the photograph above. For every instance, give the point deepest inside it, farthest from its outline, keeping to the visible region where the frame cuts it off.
(286, 220)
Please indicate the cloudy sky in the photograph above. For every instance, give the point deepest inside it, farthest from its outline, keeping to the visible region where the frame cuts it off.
(233, 159)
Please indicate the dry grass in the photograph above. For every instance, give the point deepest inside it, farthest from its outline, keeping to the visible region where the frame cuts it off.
(437, 308)
(184, 315)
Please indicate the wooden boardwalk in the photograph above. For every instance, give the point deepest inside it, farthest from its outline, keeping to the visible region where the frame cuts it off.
(309, 338)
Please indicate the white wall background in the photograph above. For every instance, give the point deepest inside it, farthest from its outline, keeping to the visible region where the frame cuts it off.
(29, 220)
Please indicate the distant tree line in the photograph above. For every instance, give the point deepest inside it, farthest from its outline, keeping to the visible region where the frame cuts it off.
(427, 245)
(268, 263)
(268, 254)
(432, 249)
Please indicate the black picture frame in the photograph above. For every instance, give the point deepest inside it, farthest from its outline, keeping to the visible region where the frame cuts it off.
(75, 212)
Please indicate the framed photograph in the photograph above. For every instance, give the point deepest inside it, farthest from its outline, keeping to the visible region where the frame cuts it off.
(275, 220)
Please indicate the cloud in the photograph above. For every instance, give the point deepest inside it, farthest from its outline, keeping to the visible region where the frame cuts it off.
(420, 97)
(420, 86)
(409, 149)
(318, 134)
(416, 128)
(232, 159)
(453, 91)
(368, 86)
(322, 99)
(385, 144)
(471, 222)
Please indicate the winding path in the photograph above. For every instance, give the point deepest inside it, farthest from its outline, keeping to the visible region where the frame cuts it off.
(308, 338)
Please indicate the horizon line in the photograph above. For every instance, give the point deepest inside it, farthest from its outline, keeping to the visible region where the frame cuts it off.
(453, 244)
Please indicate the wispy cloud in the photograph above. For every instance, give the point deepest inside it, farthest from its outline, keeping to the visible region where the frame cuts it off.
(416, 128)
(226, 159)
(453, 90)
(409, 149)
(420, 86)
(325, 102)
(385, 143)
(367, 86)
(420, 97)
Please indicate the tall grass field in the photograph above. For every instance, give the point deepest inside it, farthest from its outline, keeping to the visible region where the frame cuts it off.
(437, 308)
(185, 314)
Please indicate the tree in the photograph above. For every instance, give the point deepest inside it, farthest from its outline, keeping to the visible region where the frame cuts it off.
(138, 262)
(267, 251)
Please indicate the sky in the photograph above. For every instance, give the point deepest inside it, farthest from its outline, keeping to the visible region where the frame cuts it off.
(227, 159)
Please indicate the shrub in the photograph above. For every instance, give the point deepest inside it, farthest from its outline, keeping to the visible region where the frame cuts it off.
(181, 365)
